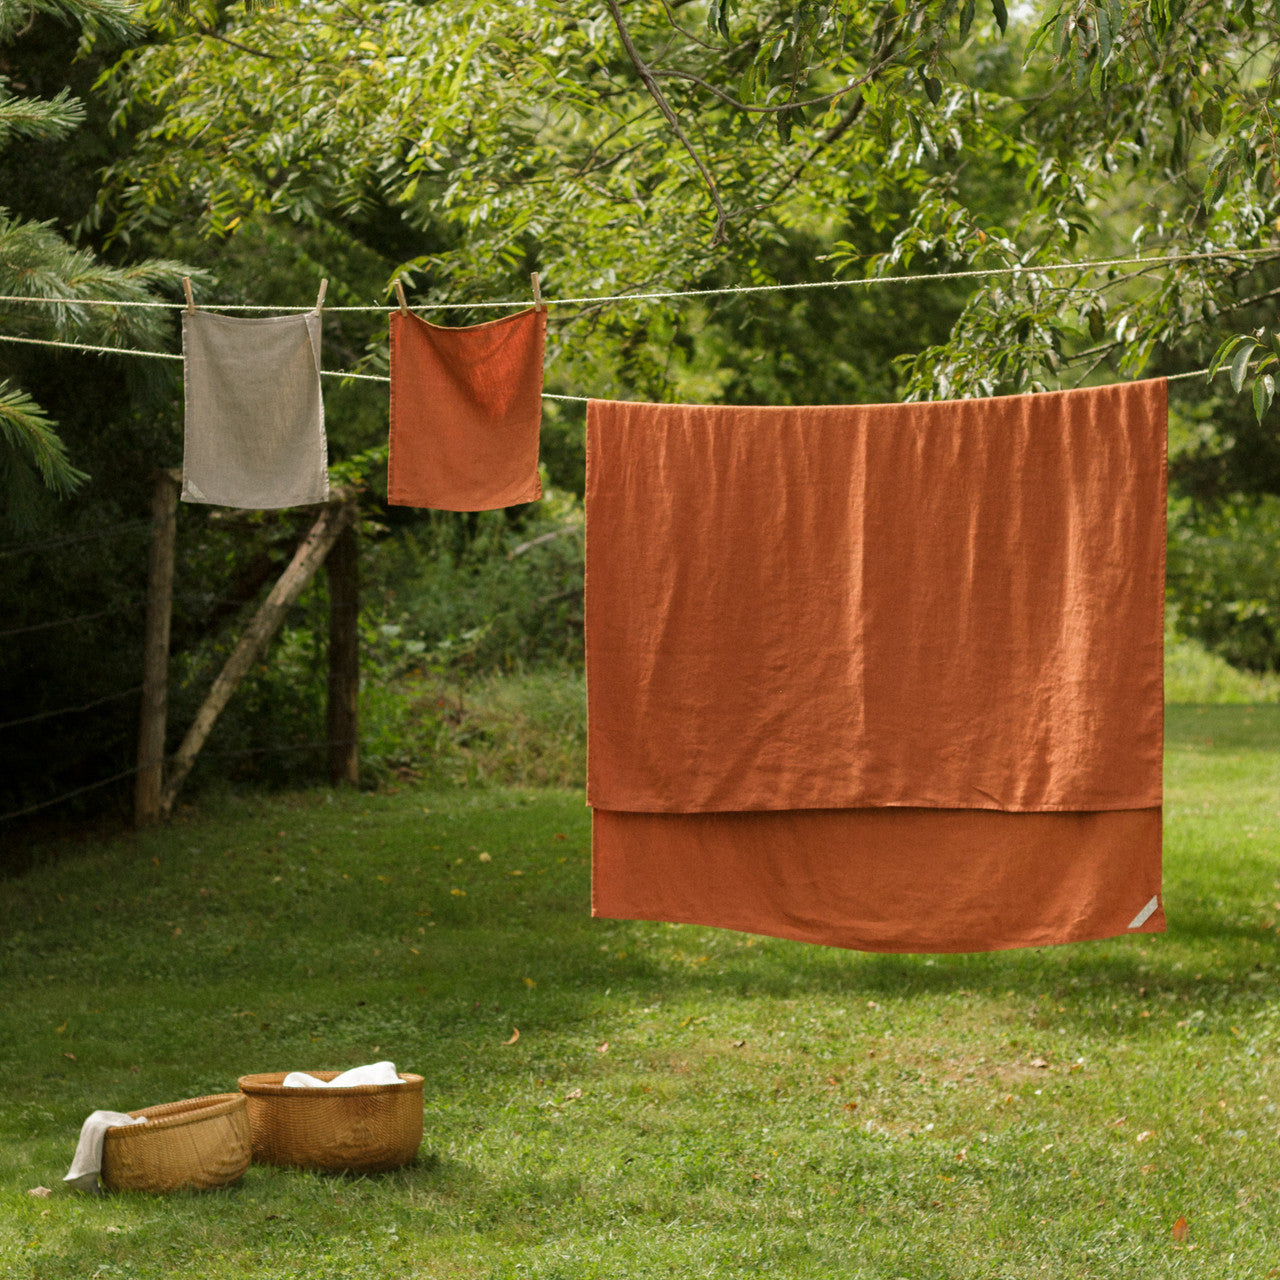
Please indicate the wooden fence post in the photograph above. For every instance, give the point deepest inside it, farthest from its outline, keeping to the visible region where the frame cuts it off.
(307, 559)
(343, 567)
(153, 721)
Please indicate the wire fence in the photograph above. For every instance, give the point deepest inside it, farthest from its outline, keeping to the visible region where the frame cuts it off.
(1015, 269)
(67, 711)
(47, 543)
(231, 753)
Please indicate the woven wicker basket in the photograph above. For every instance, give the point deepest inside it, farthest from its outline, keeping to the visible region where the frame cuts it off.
(357, 1130)
(199, 1143)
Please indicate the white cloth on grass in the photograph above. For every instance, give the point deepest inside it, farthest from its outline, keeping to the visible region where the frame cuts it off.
(87, 1161)
(254, 428)
(371, 1073)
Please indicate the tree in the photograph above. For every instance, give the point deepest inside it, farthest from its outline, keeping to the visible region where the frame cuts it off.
(37, 261)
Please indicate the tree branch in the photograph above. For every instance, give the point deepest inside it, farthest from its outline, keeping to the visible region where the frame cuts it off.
(235, 44)
(743, 106)
(718, 236)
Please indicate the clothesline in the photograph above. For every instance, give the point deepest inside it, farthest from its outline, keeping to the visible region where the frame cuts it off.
(1018, 268)
(166, 355)
(373, 377)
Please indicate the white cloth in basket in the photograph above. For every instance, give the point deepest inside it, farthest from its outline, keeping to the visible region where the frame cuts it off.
(87, 1161)
(371, 1073)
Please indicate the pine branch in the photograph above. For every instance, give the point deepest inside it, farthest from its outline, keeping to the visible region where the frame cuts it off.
(48, 118)
(25, 430)
(36, 262)
(115, 18)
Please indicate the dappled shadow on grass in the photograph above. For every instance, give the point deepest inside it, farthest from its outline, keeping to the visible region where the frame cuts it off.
(1253, 728)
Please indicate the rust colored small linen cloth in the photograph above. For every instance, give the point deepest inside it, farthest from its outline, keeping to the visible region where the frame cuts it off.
(846, 665)
(466, 407)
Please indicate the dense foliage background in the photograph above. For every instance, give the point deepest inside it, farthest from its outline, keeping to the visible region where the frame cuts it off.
(637, 147)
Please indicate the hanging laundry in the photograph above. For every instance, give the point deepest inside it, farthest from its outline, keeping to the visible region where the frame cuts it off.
(885, 677)
(466, 407)
(254, 414)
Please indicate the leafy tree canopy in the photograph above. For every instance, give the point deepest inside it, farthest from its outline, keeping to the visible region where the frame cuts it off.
(648, 144)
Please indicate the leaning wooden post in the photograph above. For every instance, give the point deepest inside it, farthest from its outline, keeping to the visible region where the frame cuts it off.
(306, 560)
(153, 722)
(343, 566)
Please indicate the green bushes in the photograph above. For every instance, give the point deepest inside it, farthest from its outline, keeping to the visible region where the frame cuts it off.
(470, 653)
(1224, 578)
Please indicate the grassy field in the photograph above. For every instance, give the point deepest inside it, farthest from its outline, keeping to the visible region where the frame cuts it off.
(681, 1101)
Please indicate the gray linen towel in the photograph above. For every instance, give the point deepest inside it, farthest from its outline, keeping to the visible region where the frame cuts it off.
(254, 414)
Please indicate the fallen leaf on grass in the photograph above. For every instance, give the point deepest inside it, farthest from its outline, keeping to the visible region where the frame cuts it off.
(1037, 1062)
(560, 835)
(57, 1031)
(1180, 1229)
(572, 1094)
(1145, 1135)
(515, 1035)
(603, 1048)
(737, 1044)
(484, 857)
(72, 1056)
(529, 982)
(851, 1106)
(43, 1192)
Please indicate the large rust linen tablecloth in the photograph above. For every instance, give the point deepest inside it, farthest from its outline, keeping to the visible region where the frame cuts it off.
(887, 676)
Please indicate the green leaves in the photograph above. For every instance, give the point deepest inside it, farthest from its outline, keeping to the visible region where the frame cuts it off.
(718, 16)
(1001, 15)
(1264, 390)
(1240, 365)
(1241, 348)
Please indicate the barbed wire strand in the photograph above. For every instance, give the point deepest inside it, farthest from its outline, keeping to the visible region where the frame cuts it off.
(66, 711)
(67, 622)
(72, 538)
(68, 795)
(970, 273)
(204, 755)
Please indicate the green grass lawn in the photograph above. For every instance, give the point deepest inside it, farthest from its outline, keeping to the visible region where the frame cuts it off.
(681, 1101)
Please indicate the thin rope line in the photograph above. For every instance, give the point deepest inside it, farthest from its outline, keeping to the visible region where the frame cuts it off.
(546, 395)
(162, 355)
(83, 346)
(66, 711)
(526, 303)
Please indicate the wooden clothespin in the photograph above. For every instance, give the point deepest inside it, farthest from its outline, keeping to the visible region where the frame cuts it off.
(404, 306)
(324, 284)
(537, 292)
(186, 288)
